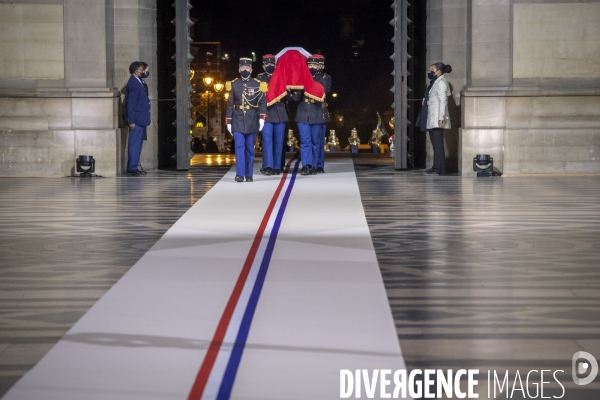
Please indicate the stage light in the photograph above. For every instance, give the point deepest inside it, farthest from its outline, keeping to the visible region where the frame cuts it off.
(483, 164)
(85, 161)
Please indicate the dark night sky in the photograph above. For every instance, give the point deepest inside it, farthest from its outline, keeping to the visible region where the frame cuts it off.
(362, 80)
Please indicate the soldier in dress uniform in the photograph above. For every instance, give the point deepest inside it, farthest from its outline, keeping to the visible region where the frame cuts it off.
(374, 141)
(311, 116)
(274, 130)
(291, 141)
(333, 142)
(354, 141)
(324, 80)
(245, 117)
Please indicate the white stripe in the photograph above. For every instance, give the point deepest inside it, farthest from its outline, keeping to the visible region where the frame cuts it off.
(218, 371)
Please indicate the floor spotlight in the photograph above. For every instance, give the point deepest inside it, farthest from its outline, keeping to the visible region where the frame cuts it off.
(483, 164)
(86, 166)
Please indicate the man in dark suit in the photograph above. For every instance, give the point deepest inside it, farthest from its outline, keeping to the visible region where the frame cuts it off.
(137, 114)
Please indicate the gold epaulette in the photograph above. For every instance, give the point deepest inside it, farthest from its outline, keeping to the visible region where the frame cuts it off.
(263, 87)
(228, 86)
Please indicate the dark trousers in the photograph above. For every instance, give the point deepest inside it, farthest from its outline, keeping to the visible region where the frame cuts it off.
(319, 148)
(134, 147)
(439, 156)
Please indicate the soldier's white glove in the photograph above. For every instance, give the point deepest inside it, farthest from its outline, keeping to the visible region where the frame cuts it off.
(261, 123)
(229, 128)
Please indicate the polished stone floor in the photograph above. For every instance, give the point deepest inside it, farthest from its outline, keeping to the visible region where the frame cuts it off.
(489, 273)
(496, 273)
(65, 241)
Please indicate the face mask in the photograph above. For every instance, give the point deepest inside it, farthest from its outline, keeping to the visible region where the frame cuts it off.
(269, 69)
(245, 73)
(144, 75)
(313, 70)
(431, 75)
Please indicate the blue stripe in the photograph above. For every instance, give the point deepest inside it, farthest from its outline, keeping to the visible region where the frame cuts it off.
(240, 341)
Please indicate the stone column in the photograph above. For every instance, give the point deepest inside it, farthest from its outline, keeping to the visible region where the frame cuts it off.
(532, 100)
(59, 93)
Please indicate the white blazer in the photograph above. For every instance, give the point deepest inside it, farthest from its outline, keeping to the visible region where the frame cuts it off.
(438, 104)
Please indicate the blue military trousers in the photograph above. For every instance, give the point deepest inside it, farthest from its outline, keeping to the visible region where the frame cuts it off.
(134, 147)
(319, 147)
(308, 135)
(244, 153)
(272, 142)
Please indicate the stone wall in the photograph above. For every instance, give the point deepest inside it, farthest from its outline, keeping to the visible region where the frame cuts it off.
(543, 132)
(31, 37)
(48, 119)
(531, 95)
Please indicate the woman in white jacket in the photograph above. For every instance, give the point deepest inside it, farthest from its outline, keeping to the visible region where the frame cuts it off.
(437, 113)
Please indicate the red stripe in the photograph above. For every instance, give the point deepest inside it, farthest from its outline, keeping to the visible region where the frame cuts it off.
(215, 345)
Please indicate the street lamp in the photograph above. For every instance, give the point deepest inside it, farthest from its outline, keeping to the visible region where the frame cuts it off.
(208, 81)
(219, 88)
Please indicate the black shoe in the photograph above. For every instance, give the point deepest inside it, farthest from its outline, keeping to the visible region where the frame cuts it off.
(276, 172)
(431, 171)
(141, 170)
(132, 173)
(249, 179)
(320, 170)
(239, 178)
(305, 170)
(313, 171)
(263, 170)
(268, 171)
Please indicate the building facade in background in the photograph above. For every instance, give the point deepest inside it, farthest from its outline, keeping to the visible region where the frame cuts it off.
(525, 82)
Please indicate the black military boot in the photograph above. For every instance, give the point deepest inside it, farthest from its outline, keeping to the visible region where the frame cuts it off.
(320, 170)
(239, 178)
(305, 170)
(268, 171)
(249, 179)
(276, 172)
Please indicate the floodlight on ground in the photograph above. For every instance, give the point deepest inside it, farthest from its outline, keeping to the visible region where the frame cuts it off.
(483, 164)
(86, 166)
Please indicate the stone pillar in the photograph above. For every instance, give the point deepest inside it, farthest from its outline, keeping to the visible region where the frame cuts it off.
(532, 100)
(59, 93)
